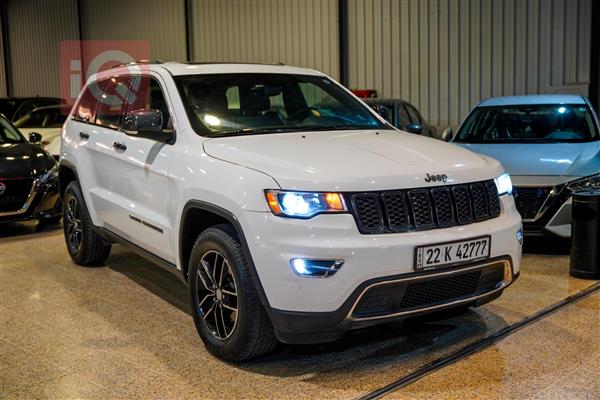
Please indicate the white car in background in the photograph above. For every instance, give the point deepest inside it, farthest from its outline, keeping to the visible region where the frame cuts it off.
(46, 121)
(550, 146)
(291, 209)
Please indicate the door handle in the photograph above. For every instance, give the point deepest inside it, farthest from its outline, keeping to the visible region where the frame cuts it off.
(119, 146)
(84, 135)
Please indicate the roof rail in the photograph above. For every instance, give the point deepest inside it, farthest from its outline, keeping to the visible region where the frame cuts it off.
(138, 62)
(231, 62)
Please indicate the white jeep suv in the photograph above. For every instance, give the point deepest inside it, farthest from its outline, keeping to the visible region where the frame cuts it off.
(290, 209)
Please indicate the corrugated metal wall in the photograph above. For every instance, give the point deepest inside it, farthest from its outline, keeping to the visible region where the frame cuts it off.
(2, 64)
(442, 55)
(446, 55)
(302, 33)
(161, 23)
(35, 30)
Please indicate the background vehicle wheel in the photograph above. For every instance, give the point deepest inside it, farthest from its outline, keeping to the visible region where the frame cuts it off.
(227, 311)
(84, 245)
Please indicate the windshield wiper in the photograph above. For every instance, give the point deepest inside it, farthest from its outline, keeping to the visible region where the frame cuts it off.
(250, 131)
(332, 127)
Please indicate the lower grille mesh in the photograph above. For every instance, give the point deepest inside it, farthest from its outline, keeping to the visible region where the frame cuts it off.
(438, 290)
(430, 290)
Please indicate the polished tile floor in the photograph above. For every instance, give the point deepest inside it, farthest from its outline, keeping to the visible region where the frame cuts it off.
(124, 331)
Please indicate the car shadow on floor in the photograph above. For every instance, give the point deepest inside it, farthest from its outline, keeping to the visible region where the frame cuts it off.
(551, 245)
(411, 343)
(27, 228)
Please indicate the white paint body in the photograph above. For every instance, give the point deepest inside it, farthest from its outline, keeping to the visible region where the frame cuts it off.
(155, 181)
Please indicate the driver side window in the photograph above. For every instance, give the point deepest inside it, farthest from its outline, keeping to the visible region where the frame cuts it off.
(317, 97)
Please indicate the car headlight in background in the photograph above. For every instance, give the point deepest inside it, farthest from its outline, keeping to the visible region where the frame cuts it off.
(504, 184)
(304, 204)
(591, 182)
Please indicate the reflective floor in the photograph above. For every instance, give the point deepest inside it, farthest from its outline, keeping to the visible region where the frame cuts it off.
(124, 331)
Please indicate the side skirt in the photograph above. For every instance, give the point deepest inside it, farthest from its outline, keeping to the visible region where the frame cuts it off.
(114, 238)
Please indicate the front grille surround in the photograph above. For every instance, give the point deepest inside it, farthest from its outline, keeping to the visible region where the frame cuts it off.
(428, 292)
(530, 200)
(418, 209)
(16, 194)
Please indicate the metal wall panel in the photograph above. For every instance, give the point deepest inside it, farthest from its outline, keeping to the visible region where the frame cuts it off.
(161, 23)
(35, 30)
(2, 64)
(302, 33)
(446, 55)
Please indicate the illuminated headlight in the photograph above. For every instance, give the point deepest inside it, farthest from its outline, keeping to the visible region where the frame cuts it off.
(503, 184)
(591, 182)
(304, 204)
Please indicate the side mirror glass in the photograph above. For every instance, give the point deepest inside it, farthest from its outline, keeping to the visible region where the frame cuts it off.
(35, 137)
(414, 128)
(447, 134)
(146, 123)
(383, 111)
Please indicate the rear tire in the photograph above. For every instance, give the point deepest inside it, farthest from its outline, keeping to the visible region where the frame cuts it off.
(220, 282)
(84, 245)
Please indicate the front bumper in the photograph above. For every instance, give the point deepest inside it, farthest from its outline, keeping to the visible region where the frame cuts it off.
(397, 297)
(274, 241)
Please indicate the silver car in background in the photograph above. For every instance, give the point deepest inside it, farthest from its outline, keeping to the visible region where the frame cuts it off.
(550, 146)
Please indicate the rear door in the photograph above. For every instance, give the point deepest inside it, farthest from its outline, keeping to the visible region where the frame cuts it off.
(95, 155)
(141, 184)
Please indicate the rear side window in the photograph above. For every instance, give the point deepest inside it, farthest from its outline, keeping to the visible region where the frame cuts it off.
(87, 103)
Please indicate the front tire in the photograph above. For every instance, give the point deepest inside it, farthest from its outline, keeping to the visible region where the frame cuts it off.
(84, 245)
(227, 311)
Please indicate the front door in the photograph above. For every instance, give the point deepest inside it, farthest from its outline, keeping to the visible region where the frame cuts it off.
(142, 180)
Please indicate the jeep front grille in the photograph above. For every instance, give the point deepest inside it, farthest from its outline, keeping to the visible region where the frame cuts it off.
(424, 208)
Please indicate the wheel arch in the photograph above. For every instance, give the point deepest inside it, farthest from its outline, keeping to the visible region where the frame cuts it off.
(197, 216)
(67, 173)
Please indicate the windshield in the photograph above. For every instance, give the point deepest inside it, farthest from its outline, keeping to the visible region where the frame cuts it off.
(545, 123)
(236, 104)
(8, 133)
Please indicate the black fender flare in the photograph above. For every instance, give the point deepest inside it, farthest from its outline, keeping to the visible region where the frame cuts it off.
(232, 219)
(71, 166)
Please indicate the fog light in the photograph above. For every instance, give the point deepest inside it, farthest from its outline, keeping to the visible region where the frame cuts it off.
(520, 236)
(315, 268)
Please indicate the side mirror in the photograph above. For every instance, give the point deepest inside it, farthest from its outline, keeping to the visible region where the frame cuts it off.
(447, 135)
(413, 128)
(35, 137)
(147, 124)
(383, 111)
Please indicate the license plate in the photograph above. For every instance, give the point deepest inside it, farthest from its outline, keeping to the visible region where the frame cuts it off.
(451, 254)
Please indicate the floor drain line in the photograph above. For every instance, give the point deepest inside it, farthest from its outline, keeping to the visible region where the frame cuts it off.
(477, 346)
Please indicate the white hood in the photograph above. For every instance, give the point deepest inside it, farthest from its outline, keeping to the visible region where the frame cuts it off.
(353, 160)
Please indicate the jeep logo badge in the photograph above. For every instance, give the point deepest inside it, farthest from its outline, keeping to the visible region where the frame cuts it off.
(436, 178)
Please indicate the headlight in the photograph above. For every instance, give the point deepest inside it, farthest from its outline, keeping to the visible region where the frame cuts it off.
(503, 184)
(304, 204)
(591, 182)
